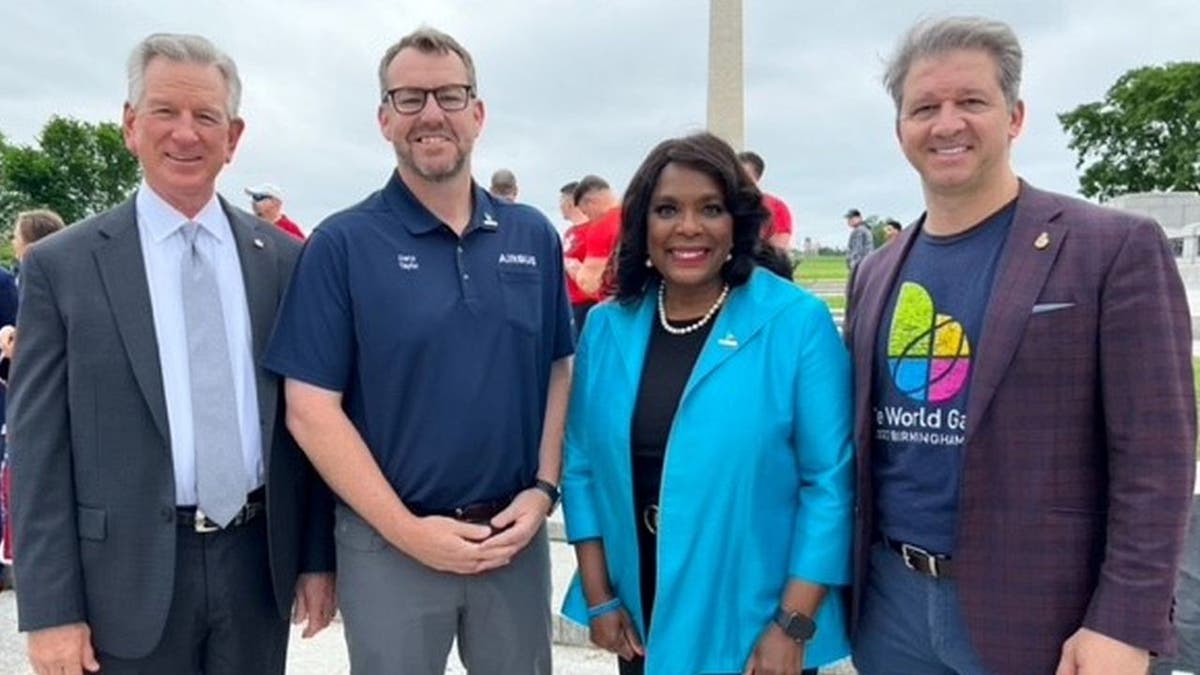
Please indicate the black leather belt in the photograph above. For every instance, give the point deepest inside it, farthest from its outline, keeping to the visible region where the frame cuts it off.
(480, 513)
(919, 560)
(194, 519)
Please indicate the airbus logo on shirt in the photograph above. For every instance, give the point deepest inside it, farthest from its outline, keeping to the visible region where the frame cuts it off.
(518, 259)
(407, 262)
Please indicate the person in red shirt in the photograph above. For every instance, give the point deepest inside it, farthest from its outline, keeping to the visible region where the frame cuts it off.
(267, 203)
(566, 205)
(778, 230)
(573, 242)
(589, 245)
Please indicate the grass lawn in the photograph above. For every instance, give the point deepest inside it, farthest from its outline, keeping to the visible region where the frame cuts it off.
(821, 268)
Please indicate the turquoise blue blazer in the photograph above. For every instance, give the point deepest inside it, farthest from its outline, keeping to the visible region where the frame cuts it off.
(757, 481)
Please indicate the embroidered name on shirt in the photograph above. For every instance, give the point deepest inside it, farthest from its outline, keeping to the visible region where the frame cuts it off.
(518, 259)
(407, 262)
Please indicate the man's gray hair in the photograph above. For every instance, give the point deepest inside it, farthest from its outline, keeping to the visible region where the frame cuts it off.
(934, 37)
(182, 48)
(427, 41)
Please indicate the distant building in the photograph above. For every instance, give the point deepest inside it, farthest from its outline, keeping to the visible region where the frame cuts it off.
(1177, 212)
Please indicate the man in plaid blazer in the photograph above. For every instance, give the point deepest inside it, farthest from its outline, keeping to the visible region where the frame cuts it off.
(1024, 409)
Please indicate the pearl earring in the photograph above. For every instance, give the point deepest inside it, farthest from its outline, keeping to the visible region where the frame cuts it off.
(728, 257)
(648, 263)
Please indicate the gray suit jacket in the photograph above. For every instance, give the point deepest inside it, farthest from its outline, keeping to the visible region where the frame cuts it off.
(93, 482)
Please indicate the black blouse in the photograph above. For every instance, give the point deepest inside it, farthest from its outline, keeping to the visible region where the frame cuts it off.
(669, 362)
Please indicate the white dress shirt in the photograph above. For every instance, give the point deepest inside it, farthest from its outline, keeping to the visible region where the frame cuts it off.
(163, 247)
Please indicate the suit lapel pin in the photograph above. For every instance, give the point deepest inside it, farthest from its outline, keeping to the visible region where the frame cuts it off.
(728, 341)
(1042, 241)
(258, 243)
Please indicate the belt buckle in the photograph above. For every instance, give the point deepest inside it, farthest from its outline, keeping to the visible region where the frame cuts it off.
(908, 553)
(201, 523)
(650, 518)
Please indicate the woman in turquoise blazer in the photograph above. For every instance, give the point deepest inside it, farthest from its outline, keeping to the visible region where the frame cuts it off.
(707, 479)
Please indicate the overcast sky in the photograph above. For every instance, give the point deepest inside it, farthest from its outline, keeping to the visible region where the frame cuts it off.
(574, 87)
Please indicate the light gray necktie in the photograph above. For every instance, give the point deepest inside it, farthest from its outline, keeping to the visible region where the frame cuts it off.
(220, 473)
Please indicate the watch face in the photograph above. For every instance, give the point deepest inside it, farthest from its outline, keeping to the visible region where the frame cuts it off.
(801, 628)
(796, 626)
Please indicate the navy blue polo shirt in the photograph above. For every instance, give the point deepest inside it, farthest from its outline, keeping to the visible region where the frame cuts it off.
(441, 346)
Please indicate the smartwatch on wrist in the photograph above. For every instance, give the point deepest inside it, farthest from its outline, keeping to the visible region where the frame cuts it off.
(550, 490)
(795, 625)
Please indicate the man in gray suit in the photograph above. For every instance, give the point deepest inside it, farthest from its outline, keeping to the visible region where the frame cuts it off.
(164, 515)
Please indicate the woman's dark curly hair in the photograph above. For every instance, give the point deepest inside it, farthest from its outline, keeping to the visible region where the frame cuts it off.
(713, 157)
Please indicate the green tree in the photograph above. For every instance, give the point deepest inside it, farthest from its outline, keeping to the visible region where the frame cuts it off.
(77, 169)
(1144, 135)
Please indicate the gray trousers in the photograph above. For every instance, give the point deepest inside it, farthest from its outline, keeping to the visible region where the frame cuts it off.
(401, 616)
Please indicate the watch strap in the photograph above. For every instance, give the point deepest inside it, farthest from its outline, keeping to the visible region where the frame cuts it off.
(550, 490)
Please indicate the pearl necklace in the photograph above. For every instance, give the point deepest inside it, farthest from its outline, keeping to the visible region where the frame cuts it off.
(690, 328)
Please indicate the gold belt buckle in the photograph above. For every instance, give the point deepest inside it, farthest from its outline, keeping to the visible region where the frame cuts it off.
(650, 518)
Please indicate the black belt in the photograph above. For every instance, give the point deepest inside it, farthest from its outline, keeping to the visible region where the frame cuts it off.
(479, 513)
(919, 560)
(194, 519)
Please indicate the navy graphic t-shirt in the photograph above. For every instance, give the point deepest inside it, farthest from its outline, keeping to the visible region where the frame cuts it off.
(924, 356)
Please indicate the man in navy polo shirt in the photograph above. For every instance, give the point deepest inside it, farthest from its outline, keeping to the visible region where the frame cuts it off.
(426, 343)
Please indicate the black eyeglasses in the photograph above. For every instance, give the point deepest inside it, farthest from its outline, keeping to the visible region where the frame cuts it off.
(260, 198)
(411, 100)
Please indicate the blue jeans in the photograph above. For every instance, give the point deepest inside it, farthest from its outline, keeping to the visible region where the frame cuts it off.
(910, 624)
(1187, 605)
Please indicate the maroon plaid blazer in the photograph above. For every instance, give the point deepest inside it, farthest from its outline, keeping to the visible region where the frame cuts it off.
(1081, 431)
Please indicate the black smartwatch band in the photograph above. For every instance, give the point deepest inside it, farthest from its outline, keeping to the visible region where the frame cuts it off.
(550, 490)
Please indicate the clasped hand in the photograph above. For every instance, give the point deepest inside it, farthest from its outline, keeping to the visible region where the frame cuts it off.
(453, 546)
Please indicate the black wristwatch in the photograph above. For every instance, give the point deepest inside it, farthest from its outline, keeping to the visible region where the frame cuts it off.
(795, 625)
(551, 491)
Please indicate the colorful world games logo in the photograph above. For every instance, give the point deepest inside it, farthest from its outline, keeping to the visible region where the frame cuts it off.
(928, 353)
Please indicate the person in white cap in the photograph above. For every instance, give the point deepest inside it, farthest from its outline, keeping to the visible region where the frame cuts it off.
(267, 202)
